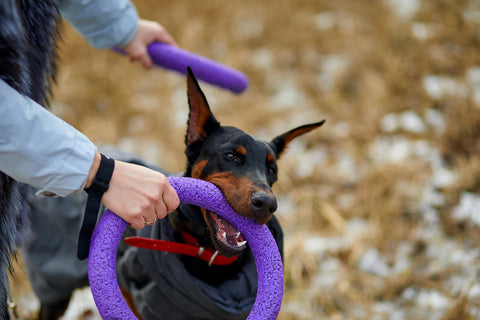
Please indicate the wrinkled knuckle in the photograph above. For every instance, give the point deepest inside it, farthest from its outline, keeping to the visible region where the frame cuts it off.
(155, 195)
(142, 207)
(137, 215)
(162, 179)
(161, 213)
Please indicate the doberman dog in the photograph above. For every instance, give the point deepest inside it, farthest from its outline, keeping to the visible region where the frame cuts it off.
(161, 285)
(242, 166)
(244, 169)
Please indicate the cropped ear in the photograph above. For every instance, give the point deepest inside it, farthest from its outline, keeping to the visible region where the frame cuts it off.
(280, 143)
(201, 121)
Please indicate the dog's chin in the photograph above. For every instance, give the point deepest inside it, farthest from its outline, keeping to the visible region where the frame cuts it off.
(227, 240)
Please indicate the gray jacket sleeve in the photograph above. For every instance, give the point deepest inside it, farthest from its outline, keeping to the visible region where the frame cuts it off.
(103, 23)
(40, 149)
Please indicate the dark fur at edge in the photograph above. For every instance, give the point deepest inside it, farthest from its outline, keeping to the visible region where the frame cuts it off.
(28, 31)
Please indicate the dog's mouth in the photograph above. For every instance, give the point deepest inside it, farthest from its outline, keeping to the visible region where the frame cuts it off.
(226, 239)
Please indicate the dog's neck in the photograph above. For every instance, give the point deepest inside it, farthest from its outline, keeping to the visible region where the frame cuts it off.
(188, 218)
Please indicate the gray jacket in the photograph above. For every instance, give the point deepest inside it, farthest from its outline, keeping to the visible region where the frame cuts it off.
(38, 148)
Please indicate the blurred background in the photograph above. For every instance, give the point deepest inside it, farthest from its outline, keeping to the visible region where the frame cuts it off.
(381, 206)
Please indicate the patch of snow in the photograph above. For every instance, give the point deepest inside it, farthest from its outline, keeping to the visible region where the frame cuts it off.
(287, 96)
(402, 258)
(346, 167)
(424, 31)
(390, 149)
(286, 206)
(420, 30)
(474, 292)
(386, 149)
(327, 276)
(345, 200)
(433, 299)
(410, 121)
(136, 124)
(439, 87)
(472, 12)
(430, 200)
(450, 252)
(250, 28)
(473, 79)
(468, 208)
(263, 59)
(397, 149)
(325, 20)
(310, 160)
(305, 160)
(341, 129)
(329, 20)
(356, 229)
(436, 120)
(319, 245)
(404, 8)
(389, 309)
(442, 177)
(373, 262)
(390, 122)
(331, 69)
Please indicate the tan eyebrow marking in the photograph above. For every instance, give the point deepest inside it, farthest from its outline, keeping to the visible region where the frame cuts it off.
(241, 150)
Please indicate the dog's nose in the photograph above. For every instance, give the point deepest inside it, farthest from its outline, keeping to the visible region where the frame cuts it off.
(263, 204)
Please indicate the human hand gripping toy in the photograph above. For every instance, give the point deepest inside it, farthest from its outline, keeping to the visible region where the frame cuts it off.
(177, 59)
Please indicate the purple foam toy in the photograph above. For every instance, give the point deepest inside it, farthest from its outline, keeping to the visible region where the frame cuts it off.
(177, 59)
(103, 248)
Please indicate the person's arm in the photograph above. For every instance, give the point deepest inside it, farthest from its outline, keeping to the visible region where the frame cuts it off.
(102, 23)
(36, 146)
(40, 149)
(105, 24)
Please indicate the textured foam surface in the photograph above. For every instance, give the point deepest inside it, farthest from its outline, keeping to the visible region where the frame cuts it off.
(177, 59)
(104, 244)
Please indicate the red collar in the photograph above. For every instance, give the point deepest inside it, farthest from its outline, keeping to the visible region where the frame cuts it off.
(192, 249)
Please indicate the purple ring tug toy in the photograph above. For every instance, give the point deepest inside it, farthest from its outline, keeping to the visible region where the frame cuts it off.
(178, 59)
(103, 248)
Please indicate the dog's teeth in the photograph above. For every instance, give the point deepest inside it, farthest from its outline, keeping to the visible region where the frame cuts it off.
(238, 234)
(240, 244)
(224, 234)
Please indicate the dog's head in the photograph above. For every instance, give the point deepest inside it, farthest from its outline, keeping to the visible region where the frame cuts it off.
(243, 167)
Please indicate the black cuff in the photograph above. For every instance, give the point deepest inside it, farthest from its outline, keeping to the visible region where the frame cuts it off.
(99, 186)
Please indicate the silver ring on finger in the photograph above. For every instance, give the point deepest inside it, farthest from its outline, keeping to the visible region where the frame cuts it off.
(150, 222)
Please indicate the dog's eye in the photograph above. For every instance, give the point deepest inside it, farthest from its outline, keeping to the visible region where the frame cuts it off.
(272, 171)
(232, 157)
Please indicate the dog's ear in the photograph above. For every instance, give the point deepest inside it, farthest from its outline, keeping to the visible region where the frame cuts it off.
(280, 143)
(200, 120)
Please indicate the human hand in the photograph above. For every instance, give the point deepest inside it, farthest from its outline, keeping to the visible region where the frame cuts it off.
(148, 32)
(137, 194)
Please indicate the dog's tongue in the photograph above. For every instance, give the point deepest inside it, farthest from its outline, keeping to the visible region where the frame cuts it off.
(227, 233)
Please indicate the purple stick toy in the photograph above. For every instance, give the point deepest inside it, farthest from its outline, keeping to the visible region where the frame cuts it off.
(103, 248)
(177, 59)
